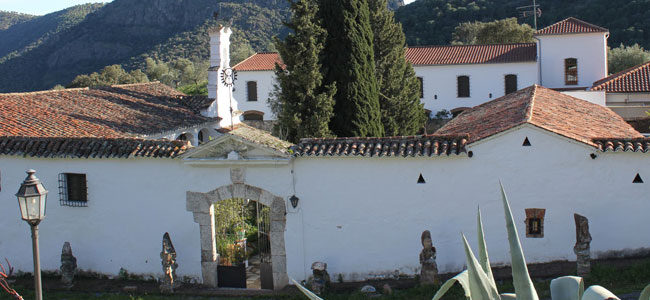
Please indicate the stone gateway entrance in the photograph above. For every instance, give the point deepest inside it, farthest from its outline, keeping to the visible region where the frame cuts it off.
(202, 207)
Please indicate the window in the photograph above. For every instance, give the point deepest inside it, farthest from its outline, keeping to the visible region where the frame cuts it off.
(73, 190)
(253, 115)
(535, 222)
(251, 87)
(463, 86)
(200, 137)
(570, 71)
(511, 83)
(421, 81)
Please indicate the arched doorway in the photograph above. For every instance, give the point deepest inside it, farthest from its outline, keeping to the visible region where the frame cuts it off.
(203, 208)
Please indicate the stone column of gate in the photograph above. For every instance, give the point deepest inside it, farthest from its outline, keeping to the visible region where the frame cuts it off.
(278, 251)
(200, 204)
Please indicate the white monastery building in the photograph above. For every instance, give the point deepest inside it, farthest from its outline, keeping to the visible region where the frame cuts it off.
(127, 163)
(568, 56)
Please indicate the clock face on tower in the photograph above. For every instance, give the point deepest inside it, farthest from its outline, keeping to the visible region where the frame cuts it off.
(228, 76)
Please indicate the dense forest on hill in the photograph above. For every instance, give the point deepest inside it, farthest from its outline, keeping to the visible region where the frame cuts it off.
(432, 22)
(10, 18)
(38, 52)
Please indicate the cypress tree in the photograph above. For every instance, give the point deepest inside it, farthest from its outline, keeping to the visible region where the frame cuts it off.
(303, 105)
(350, 63)
(399, 89)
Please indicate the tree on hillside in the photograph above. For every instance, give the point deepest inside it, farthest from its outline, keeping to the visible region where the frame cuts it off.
(399, 89)
(495, 32)
(623, 57)
(109, 75)
(350, 64)
(303, 105)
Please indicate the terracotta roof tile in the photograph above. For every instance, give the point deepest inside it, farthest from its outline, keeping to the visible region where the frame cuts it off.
(472, 54)
(262, 61)
(196, 103)
(89, 147)
(632, 80)
(401, 146)
(109, 112)
(570, 26)
(258, 136)
(427, 55)
(545, 108)
(623, 145)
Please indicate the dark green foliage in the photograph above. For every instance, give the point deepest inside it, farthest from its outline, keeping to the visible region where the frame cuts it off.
(10, 18)
(350, 64)
(126, 32)
(109, 75)
(431, 22)
(621, 58)
(496, 32)
(303, 105)
(399, 96)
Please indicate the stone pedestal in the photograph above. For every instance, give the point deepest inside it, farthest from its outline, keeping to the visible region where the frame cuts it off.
(429, 267)
(582, 246)
(68, 266)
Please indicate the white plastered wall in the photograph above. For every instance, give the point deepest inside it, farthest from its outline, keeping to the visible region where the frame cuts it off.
(131, 204)
(629, 105)
(366, 216)
(264, 81)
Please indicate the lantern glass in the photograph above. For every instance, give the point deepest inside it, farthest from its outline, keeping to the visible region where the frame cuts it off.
(32, 197)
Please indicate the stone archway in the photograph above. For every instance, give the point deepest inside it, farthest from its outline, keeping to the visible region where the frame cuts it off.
(202, 207)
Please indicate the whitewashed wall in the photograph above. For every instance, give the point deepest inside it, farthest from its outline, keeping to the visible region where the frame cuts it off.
(366, 216)
(131, 204)
(484, 79)
(264, 81)
(633, 105)
(595, 97)
(589, 48)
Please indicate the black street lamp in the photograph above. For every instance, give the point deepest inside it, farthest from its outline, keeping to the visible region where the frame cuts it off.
(32, 196)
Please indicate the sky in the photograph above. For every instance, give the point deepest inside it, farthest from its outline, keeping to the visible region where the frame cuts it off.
(41, 7)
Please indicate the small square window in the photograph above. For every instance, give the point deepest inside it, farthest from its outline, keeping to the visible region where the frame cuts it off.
(535, 222)
(73, 189)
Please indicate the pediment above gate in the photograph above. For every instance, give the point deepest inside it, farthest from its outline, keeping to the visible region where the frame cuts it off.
(231, 149)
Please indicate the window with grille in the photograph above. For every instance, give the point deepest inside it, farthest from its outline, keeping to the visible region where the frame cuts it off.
(535, 222)
(73, 189)
(511, 83)
(571, 71)
(421, 81)
(251, 86)
(463, 86)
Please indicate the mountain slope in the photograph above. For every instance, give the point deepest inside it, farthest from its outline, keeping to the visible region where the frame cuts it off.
(124, 29)
(10, 18)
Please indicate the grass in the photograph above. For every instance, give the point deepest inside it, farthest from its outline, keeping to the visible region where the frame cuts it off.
(620, 281)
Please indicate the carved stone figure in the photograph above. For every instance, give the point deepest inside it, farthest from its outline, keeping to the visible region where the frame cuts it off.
(169, 265)
(429, 270)
(68, 266)
(582, 249)
(321, 280)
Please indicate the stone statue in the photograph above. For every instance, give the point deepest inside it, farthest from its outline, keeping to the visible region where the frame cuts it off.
(68, 266)
(321, 280)
(169, 265)
(429, 270)
(582, 249)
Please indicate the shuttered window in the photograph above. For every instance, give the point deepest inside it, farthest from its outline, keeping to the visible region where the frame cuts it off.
(251, 87)
(463, 86)
(511, 83)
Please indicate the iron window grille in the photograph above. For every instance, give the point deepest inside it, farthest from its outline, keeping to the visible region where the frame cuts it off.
(73, 189)
(571, 71)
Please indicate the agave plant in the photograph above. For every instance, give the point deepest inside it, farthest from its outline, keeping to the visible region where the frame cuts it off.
(478, 282)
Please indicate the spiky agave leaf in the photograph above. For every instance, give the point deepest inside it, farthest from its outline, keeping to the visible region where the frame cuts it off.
(482, 251)
(567, 288)
(597, 292)
(524, 287)
(645, 294)
(305, 291)
(479, 283)
(462, 278)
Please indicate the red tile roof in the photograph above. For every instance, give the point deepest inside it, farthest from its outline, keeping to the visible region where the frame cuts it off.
(400, 146)
(570, 26)
(120, 111)
(633, 80)
(623, 145)
(427, 55)
(262, 61)
(72, 147)
(545, 108)
(472, 54)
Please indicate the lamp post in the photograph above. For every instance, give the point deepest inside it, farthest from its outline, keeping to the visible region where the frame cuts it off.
(32, 196)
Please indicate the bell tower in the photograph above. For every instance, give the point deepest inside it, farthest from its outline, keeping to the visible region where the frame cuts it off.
(221, 79)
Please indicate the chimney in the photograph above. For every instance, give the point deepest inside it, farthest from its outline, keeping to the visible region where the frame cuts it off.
(219, 89)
